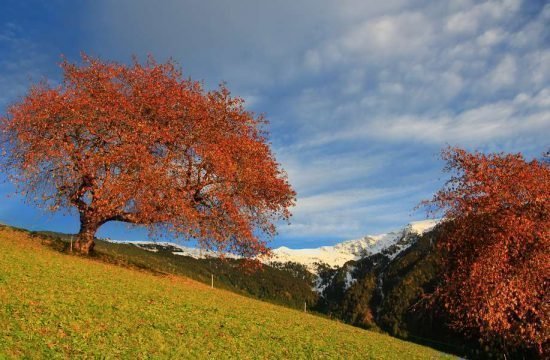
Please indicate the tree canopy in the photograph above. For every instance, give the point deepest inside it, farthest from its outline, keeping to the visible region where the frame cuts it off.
(496, 238)
(141, 144)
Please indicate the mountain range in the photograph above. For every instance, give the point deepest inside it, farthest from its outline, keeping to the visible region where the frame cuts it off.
(390, 244)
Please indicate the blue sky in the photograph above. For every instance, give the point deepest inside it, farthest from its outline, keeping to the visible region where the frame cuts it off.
(361, 94)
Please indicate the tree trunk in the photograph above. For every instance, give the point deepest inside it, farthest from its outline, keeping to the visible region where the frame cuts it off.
(85, 240)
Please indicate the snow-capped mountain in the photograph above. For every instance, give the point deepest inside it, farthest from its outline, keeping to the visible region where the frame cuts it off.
(390, 244)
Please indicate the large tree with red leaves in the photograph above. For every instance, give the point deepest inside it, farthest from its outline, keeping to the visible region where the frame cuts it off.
(141, 144)
(496, 238)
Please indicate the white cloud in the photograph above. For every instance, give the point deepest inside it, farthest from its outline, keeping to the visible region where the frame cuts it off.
(491, 37)
(504, 74)
(522, 116)
(344, 199)
(391, 88)
(404, 35)
(470, 20)
(462, 22)
(314, 172)
(348, 214)
(536, 63)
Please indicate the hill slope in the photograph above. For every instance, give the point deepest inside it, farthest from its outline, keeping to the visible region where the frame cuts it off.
(283, 284)
(57, 305)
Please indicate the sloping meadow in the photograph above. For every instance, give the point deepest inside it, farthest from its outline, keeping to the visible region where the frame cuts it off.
(55, 305)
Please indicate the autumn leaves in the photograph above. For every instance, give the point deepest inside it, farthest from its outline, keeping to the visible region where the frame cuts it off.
(141, 144)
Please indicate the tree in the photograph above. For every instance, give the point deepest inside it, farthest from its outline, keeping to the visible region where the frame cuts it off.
(496, 238)
(140, 144)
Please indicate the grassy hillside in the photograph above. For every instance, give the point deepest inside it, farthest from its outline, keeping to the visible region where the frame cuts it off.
(286, 285)
(55, 305)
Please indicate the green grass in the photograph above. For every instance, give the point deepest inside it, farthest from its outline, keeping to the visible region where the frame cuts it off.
(271, 284)
(59, 306)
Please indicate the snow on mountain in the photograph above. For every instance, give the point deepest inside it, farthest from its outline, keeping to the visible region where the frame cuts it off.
(390, 244)
(422, 226)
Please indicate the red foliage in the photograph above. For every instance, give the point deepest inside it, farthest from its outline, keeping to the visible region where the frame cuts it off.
(497, 241)
(142, 145)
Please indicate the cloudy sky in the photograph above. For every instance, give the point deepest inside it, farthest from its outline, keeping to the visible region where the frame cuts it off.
(361, 95)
